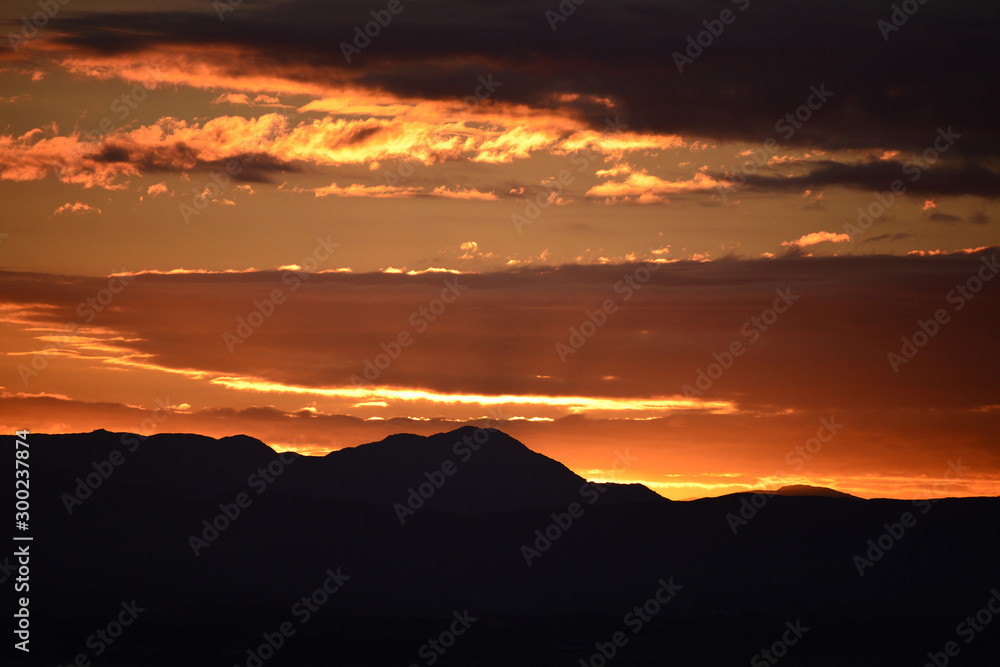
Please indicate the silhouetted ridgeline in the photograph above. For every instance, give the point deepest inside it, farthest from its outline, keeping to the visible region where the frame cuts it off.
(384, 553)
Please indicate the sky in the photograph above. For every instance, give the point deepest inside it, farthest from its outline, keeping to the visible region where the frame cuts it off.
(735, 244)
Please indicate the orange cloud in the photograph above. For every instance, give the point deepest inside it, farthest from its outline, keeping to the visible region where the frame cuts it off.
(358, 126)
(231, 98)
(157, 189)
(206, 67)
(462, 193)
(427, 130)
(78, 207)
(358, 190)
(244, 99)
(32, 156)
(818, 237)
(645, 188)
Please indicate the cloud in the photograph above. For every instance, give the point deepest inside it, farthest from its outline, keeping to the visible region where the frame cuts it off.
(617, 170)
(410, 94)
(941, 178)
(439, 51)
(358, 190)
(645, 188)
(700, 306)
(826, 355)
(232, 98)
(462, 193)
(898, 236)
(469, 249)
(246, 100)
(275, 143)
(818, 237)
(157, 189)
(77, 207)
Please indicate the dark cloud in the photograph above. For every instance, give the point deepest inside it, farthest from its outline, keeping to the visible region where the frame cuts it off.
(938, 216)
(879, 175)
(178, 157)
(898, 236)
(886, 93)
(829, 349)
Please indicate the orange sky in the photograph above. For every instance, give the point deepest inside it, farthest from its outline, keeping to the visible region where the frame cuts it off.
(210, 230)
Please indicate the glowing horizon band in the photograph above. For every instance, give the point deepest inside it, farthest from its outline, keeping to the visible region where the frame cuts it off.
(574, 403)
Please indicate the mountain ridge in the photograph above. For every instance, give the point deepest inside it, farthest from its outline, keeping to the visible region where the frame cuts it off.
(472, 470)
(221, 545)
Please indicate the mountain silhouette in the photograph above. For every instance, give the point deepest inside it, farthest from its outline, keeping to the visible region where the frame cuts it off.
(219, 539)
(498, 473)
(807, 490)
(469, 470)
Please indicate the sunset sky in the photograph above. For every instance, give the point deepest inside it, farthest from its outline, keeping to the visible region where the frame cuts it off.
(583, 228)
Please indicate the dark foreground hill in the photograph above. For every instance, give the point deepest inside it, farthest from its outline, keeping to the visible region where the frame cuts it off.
(384, 553)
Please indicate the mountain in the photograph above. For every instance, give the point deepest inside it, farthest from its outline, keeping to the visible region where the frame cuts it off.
(467, 471)
(177, 463)
(224, 542)
(807, 490)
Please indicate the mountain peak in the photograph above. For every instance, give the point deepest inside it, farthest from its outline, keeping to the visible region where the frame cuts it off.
(807, 490)
(472, 469)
